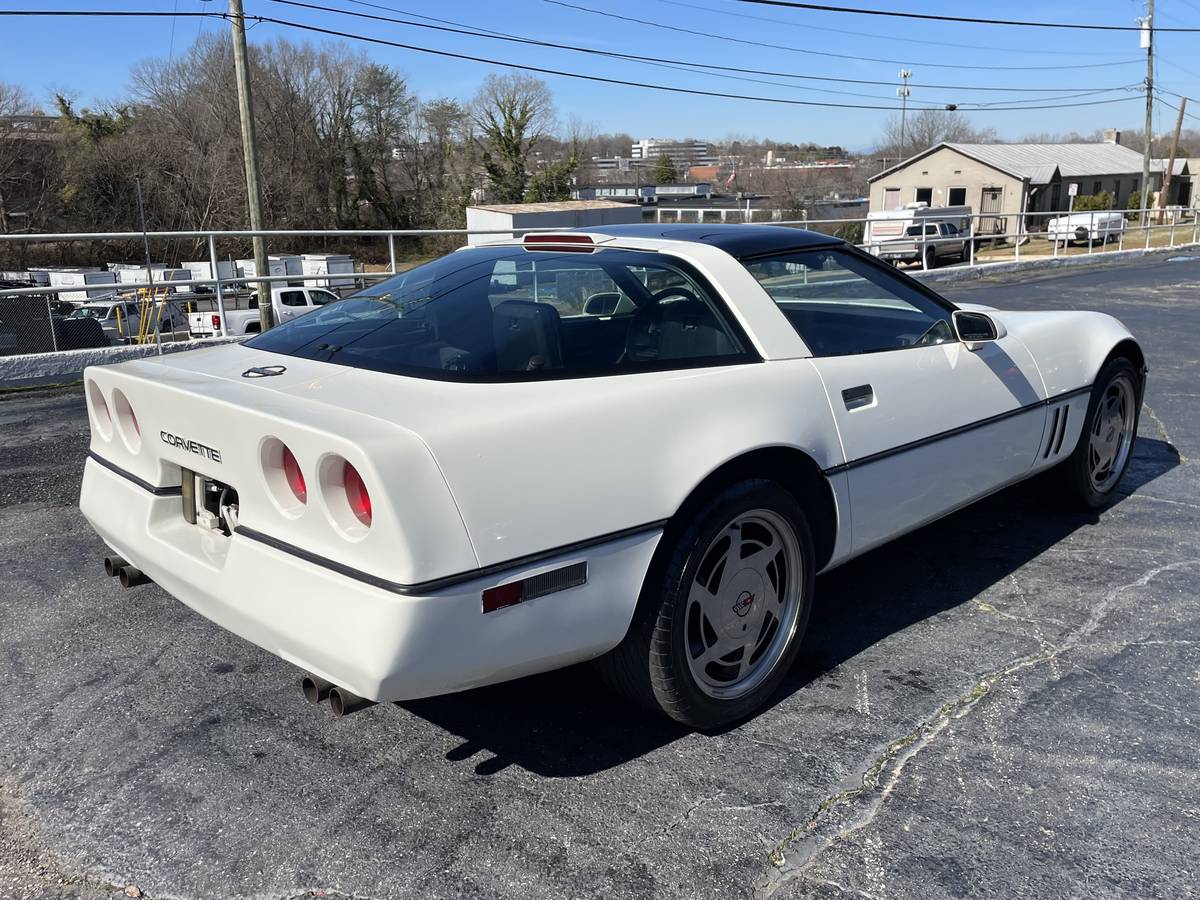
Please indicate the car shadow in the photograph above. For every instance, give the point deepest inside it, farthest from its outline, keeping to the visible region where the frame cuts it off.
(567, 724)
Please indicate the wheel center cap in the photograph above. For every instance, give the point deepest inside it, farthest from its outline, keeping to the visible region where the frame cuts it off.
(741, 603)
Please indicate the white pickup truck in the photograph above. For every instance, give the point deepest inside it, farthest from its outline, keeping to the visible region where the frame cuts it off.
(1091, 227)
(287, 303)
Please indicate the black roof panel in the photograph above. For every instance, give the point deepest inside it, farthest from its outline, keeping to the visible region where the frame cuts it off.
(737, 240)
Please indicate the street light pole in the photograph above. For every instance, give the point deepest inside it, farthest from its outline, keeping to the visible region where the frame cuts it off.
(903, 92)
(241, 67)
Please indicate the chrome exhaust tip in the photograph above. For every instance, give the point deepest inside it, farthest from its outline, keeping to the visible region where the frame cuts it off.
(315, 689)
(131, 576)
(113, 566)
(342, 702)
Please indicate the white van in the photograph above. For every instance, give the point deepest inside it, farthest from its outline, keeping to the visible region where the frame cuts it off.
(893, 224)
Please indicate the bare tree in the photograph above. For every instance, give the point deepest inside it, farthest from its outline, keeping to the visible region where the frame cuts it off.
(925, 128)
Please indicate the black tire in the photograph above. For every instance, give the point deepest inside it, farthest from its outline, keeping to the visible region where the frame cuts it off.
(1076, 479)
(650, 665)
(930, 259)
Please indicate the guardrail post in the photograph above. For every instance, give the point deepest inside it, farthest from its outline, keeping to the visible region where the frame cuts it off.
(216, 274)
(1091, 231)
(1145, 214)
(392, 250)
(971, 244)
(50, 322)
(1174, 219)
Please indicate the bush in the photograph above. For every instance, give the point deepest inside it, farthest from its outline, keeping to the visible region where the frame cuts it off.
(851, 231)
(1089, 202)
(1135, 202)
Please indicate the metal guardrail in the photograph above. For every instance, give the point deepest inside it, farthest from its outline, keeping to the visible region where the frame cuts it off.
(982, 231)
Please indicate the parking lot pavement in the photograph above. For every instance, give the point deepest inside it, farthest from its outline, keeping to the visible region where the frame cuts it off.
(1002, 704)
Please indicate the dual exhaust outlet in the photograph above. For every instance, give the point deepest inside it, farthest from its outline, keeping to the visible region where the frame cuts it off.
(129, 575)
(341, 701)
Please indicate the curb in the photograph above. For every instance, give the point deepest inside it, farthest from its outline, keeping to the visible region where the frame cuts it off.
(44, 369)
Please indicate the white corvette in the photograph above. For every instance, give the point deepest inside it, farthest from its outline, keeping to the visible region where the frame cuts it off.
(635, 445)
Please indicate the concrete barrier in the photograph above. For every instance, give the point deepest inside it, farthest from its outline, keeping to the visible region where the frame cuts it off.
(66, 366)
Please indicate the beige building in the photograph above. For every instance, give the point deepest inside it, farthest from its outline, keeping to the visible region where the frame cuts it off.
(1008, 179)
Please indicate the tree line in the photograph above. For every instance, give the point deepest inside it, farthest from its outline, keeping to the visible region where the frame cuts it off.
(343, 143)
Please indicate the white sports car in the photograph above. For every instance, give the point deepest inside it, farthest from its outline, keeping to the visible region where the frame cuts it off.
(635, 445)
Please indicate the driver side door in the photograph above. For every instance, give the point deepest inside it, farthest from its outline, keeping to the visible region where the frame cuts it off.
(926, 425)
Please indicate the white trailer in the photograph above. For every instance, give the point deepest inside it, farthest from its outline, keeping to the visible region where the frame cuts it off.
(328, 264)
(246, 268)
(1099, 226)
(83, 277)
(202, 268)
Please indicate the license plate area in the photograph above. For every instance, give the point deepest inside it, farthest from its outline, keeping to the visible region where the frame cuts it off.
(208, 503)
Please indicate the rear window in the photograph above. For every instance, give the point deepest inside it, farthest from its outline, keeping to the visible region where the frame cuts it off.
(506, 313)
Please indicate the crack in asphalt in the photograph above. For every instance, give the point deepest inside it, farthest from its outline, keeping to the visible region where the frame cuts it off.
(874, 788)
(1161, 428)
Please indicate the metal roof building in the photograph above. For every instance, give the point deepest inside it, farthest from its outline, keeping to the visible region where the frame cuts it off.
(1008, 179)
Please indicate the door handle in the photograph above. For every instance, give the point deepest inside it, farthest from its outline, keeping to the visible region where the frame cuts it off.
(858, 397)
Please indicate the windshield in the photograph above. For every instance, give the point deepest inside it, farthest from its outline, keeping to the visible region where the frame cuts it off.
(506, 313)
(90, 312)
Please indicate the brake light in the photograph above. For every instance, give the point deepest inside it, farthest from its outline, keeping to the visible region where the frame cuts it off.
(356, 494)
(100, 413)
(216, 321)
(567, 243)
(295, 478)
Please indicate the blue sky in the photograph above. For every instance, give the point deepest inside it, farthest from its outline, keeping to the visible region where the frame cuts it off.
(92, 58)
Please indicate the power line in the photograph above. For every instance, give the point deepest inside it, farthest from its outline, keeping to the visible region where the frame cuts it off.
(638, 84)
(882, 37)
(473, 31)
(790, 49)
(931, 17)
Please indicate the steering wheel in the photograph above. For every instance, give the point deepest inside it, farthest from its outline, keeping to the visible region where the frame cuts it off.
(665, 293)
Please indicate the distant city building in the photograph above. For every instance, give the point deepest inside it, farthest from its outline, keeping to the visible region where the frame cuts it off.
(645, 193)
(683, 154)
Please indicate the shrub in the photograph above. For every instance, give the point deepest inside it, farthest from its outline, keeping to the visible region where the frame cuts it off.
(1089, 202)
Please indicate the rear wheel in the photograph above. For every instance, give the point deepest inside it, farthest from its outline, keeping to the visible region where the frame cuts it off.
(722, 614)
(1096, 466)
(930, 258)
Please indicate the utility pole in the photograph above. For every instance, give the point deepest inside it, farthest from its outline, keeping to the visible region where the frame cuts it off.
(1166, 185)
(241, 66)
(902, 93)
(1147, 42)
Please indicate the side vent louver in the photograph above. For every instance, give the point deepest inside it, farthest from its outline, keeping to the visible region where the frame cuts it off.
(1053, 432)
(1062, 430)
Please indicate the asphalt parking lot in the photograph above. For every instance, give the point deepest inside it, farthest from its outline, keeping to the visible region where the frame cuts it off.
(1006, 703)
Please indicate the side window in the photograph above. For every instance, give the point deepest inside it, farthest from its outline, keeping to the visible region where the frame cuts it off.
(841, 304)
(292, 298)
(951, 229)
(320, 298)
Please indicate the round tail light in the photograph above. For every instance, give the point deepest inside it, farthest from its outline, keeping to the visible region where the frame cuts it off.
(356, 494)
(295, 478)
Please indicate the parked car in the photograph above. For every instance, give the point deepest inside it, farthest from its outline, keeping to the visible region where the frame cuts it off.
(122, 320)
(287, 303)
(928, 244)
(445, 481)
(1092, 227)
(35, 323)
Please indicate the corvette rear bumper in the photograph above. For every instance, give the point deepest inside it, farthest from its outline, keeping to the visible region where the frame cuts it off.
(378, 643)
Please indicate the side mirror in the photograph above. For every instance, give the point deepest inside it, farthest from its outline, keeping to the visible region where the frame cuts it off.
(975, 329)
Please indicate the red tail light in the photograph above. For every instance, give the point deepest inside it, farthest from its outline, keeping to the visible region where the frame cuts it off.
(295, 478)
(356, 495)
(216, 320)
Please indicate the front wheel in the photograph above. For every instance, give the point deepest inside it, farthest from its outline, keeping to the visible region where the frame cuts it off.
(723, 611)
(1096, 466)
